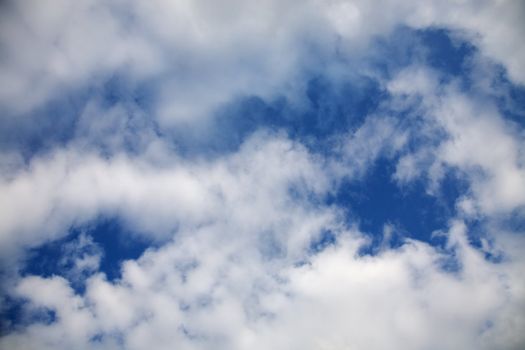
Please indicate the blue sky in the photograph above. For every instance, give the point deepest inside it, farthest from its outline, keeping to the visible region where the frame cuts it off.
(319, 174)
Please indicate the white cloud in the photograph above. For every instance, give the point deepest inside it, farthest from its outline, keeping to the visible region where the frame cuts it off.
(238, 272)
(80, 258)
(234, 269)
(201, 55)
(69, 187)
(396, 299)
(478, 141)
(205, 292)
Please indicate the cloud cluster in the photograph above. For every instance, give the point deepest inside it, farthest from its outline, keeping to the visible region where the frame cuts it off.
(157, 197)
(205, 292)
(250, 249)
(200, 51)
(236, 267)
(480, 143)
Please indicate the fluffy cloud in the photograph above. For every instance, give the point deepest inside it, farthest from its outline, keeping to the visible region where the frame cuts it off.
(250, 249)
(199, 51)
(157, 197)
(479, 142)
(204, 292)
(239, 270)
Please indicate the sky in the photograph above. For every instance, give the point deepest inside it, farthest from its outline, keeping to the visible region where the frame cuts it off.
(314, 174)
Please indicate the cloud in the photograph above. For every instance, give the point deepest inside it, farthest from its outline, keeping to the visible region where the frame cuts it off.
(479, 141)
(69, 187)
(399, 298)
(238, 271)
(249, 248)
(201, 56)
(81, 258)
(202, 292)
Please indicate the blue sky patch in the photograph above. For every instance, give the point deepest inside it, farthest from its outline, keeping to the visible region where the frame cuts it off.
(113, 241)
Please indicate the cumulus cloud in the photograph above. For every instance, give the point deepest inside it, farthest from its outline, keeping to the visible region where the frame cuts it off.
(199, 51)
(204, 292)
(69, 187)
(249, 248)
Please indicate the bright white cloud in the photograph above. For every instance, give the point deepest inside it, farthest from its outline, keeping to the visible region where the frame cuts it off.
(238, 272)
(203, 55)
(204, 292)
(69, 187)
(234, 267)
